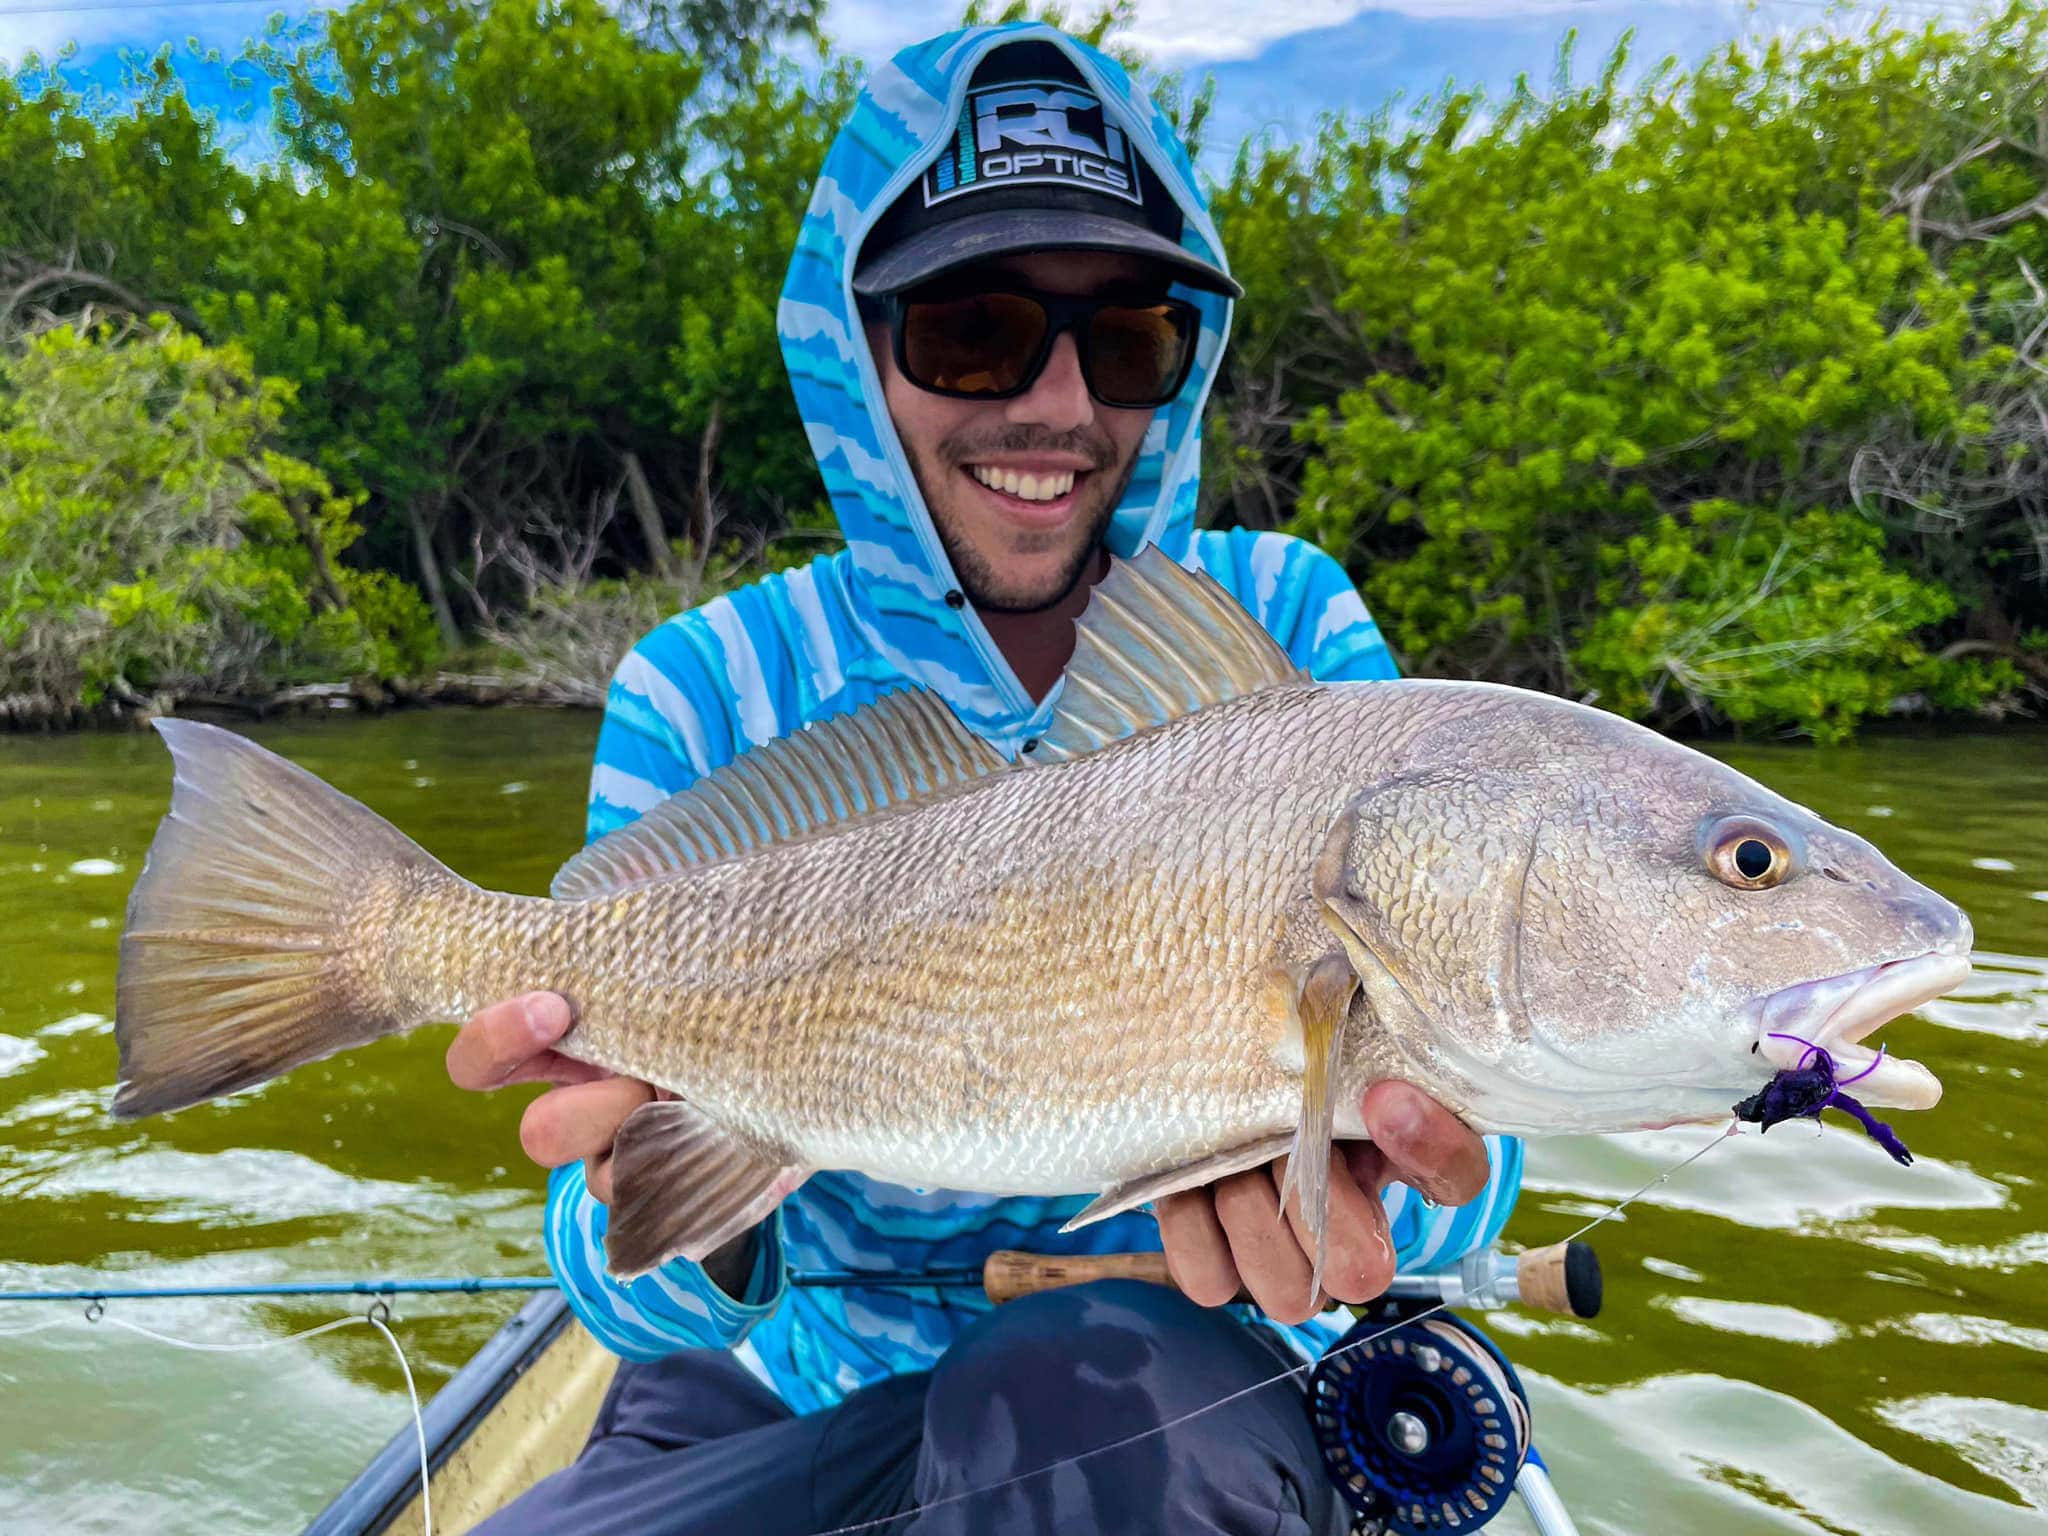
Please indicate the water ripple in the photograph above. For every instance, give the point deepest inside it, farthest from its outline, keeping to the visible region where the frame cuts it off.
(2024, 1251)
(2001, 1440)
(1797, 1175)
(77, 1024)
(17, 1054)
(2004, 995)
(1954, 1328)
(1700, 1455)
(248, 1186)
(1758, 1319)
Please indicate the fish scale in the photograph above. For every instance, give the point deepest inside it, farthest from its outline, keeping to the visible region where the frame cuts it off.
(1102, 976)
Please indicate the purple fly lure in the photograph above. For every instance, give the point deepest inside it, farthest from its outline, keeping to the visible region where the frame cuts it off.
(1802, 1092)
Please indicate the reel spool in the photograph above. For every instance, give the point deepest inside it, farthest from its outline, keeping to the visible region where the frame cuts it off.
(1424, 1429)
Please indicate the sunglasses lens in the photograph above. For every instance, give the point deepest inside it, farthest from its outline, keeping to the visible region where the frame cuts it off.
(1136, 354)
(982, 344)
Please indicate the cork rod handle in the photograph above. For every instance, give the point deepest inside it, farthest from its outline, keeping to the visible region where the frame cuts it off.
(1563, 1278)
(1007, 1274)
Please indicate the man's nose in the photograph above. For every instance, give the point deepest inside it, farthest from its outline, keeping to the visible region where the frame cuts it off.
(1059, 398)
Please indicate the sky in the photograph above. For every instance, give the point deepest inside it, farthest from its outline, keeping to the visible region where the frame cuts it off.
(1279, 63)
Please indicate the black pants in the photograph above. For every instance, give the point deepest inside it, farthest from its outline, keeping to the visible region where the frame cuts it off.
(695, 1444)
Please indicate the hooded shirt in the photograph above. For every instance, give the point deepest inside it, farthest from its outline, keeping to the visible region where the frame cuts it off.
(880, 613)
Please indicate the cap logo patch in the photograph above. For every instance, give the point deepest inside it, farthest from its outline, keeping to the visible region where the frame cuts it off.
(1026, 132)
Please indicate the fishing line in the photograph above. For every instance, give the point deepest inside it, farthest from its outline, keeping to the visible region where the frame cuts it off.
(1258, 1386)
(97, 1313)
(419, 1423)
(22, 1333)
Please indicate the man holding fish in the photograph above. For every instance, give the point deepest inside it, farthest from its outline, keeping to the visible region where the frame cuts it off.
(1021, 326)
(1034, 844)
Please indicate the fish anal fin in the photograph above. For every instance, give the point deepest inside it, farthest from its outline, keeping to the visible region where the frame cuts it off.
(1157, 641)
(905, 748)
(1133, 1193)
(1321, 1005)
(683, 1187)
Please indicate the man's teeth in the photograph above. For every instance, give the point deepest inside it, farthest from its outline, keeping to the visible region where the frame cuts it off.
(1048, 487)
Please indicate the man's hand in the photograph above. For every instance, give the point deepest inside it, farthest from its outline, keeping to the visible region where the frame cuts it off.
(1233, 1234)
(580, 1116)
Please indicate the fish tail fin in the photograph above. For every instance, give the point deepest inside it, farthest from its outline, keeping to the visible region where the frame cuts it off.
(257, 934)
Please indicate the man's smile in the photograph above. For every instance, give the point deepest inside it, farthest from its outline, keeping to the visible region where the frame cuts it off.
(1038, 493)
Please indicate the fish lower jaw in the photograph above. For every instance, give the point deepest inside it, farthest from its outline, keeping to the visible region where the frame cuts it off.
(1537, 1092)
(1836, 1013)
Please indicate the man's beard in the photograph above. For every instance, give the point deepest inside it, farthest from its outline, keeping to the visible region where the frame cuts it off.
(979, 579)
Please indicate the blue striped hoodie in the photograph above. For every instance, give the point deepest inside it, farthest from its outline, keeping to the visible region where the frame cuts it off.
(809, 644)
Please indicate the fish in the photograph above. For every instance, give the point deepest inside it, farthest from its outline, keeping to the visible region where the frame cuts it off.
(1176, 937)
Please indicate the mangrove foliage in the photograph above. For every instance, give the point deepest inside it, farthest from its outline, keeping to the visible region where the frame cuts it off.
(1713, 394)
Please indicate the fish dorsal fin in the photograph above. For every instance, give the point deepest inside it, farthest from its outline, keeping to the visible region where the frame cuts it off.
(1156, 642)
(904, 747)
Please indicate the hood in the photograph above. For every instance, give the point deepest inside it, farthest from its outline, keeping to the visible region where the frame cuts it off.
(897, 572)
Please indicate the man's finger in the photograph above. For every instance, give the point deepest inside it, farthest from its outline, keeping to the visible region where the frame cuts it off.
(1197, 1252)
(553, 1067)
(1263, 1246)
(1368, 1164)
(1425, 1145)
(597, 1176)
(1359, 1258)
(564, 1125)
(489, 1050)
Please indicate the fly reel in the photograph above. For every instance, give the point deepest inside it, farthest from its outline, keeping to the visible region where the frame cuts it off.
(1424, 1428)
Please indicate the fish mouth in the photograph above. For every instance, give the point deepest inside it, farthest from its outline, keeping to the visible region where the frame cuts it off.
(1839, 1012)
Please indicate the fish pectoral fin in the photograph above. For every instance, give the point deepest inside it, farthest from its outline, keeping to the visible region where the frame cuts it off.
(684, 1186)
(1320, 1007)
(1127, 1196)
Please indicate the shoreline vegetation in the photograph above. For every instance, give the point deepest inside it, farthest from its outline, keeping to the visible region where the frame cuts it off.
(26, 712)
(23, 714)
(1715, 394)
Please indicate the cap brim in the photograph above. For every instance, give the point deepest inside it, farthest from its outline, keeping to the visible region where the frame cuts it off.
(1011, 231)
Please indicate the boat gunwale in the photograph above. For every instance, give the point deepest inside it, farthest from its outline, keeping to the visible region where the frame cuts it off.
(389, 1483)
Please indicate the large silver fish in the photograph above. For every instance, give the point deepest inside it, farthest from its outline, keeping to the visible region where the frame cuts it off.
(1182, 936)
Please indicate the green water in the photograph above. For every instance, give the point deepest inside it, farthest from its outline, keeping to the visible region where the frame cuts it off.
(1799, 1335)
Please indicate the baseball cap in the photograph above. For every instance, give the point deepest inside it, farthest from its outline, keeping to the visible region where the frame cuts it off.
(1035, 164)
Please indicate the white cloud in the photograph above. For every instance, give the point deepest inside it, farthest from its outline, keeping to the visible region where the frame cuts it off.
(1181, 32)
(873, 30)
(46, 32)
(1214, 31)
(45, 26)
(1171, 32)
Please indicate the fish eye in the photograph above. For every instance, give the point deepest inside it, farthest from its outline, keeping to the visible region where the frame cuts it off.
(1747, 854)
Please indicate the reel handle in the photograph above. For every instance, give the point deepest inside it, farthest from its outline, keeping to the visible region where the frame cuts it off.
(1563, 1278)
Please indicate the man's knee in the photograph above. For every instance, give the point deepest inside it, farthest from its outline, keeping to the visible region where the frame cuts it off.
(1072, 1372)
(1146, 1346)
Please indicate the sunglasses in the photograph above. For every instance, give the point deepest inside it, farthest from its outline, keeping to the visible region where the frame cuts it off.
(991, 343)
